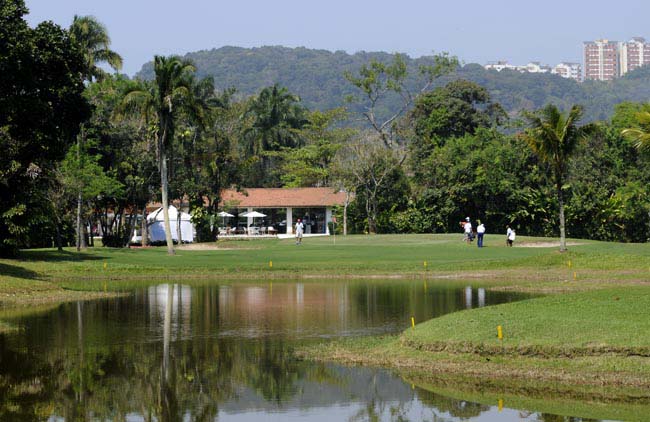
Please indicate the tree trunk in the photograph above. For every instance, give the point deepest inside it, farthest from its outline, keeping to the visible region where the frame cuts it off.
(345, 213)
(81, 240)
(59, 242)
(164, 189)
(144, 231)
(178, 223)
(560, 201)
(80, 237)
(371, 211)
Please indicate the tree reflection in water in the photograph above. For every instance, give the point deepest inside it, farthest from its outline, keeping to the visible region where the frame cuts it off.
(172, 353)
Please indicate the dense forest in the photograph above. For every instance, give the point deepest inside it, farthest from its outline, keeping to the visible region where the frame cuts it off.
(418, 145)
(317, 77)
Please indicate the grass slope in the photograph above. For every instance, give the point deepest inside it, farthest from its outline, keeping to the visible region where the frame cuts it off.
(613, 321)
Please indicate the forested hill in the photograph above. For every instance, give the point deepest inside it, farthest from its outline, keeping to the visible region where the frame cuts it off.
(317, 77)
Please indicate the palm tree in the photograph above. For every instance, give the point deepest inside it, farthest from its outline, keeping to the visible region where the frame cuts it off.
(94, 43)
(92, 39)
(277, 117)
(640, 134)
(553, 137)
(171, 91)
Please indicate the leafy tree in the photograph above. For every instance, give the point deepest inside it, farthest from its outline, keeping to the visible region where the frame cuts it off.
(311, 164)
(93, 41)
(172, 90)
(640, 133)
(554, 137)
(370, 168)
(125, 142)
(41, 107)
(276, 120)
(375, 80)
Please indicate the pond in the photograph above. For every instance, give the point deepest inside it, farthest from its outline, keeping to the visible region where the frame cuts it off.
(224, 352)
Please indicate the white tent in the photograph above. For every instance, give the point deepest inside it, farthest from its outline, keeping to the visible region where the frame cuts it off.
(156, 222)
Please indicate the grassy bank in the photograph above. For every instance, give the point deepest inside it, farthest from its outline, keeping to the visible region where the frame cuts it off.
(593, 344)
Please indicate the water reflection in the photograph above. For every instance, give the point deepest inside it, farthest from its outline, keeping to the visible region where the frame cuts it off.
(173, 353)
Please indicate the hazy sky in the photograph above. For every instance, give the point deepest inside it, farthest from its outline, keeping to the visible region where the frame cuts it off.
(475, 30)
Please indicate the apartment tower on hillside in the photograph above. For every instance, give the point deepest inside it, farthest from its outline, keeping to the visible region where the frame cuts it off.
(606, 60)
(601, 60)
(634, 54)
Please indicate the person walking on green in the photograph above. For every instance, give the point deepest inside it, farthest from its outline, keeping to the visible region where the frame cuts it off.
(480, 231)
(300, 228)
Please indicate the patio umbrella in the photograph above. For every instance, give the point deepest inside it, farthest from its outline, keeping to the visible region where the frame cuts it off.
(253, 214)
(223, 216)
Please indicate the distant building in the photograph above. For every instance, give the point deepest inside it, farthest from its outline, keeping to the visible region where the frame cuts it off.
(634, 54)
(601, 60)
(532, 67)
(568, 70)
(499, 66)
(564, 69)
(606, 60)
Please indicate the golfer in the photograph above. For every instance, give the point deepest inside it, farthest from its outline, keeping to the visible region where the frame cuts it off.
(300, 228)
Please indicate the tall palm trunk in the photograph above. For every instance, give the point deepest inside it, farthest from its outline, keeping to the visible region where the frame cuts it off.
(144, 228)
(164, 187)
(178, 224)
(81, 239)
(560, 200)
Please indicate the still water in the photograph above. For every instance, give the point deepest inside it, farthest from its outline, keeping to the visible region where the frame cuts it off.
(224, 352)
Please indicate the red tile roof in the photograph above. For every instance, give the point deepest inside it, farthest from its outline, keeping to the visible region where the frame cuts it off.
(283, 197)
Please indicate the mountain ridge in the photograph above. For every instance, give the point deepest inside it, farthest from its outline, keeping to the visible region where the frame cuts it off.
(316, 75)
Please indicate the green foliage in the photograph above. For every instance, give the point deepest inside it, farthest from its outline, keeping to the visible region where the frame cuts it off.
(41, 107)
(639, 130)
(93, 41)
(311, 164)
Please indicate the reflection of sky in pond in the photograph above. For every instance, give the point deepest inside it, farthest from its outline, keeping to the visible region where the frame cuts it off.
(174, 352)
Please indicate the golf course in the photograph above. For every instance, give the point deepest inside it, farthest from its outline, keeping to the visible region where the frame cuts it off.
(586, 324)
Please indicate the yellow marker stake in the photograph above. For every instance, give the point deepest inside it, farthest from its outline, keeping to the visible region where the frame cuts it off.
(575, 275)
(500, 405)
(499, 332)
(425, 265)
(105, 264)
(270, 264)
(425, 286)
(412, 322)
(569, 263)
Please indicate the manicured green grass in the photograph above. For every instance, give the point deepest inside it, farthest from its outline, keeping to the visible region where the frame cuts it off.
(351, 255)
(575, 324)
(586, 266)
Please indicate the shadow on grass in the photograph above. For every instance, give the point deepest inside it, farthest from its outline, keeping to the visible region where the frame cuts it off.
(18, 272)
(57, 256)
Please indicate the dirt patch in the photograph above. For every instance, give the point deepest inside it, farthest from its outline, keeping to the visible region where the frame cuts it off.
(545, 244)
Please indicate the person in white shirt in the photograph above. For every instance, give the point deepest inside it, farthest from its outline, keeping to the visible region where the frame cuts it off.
(510, 236)
(469, 235)
(300, 228)
(480, 231)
